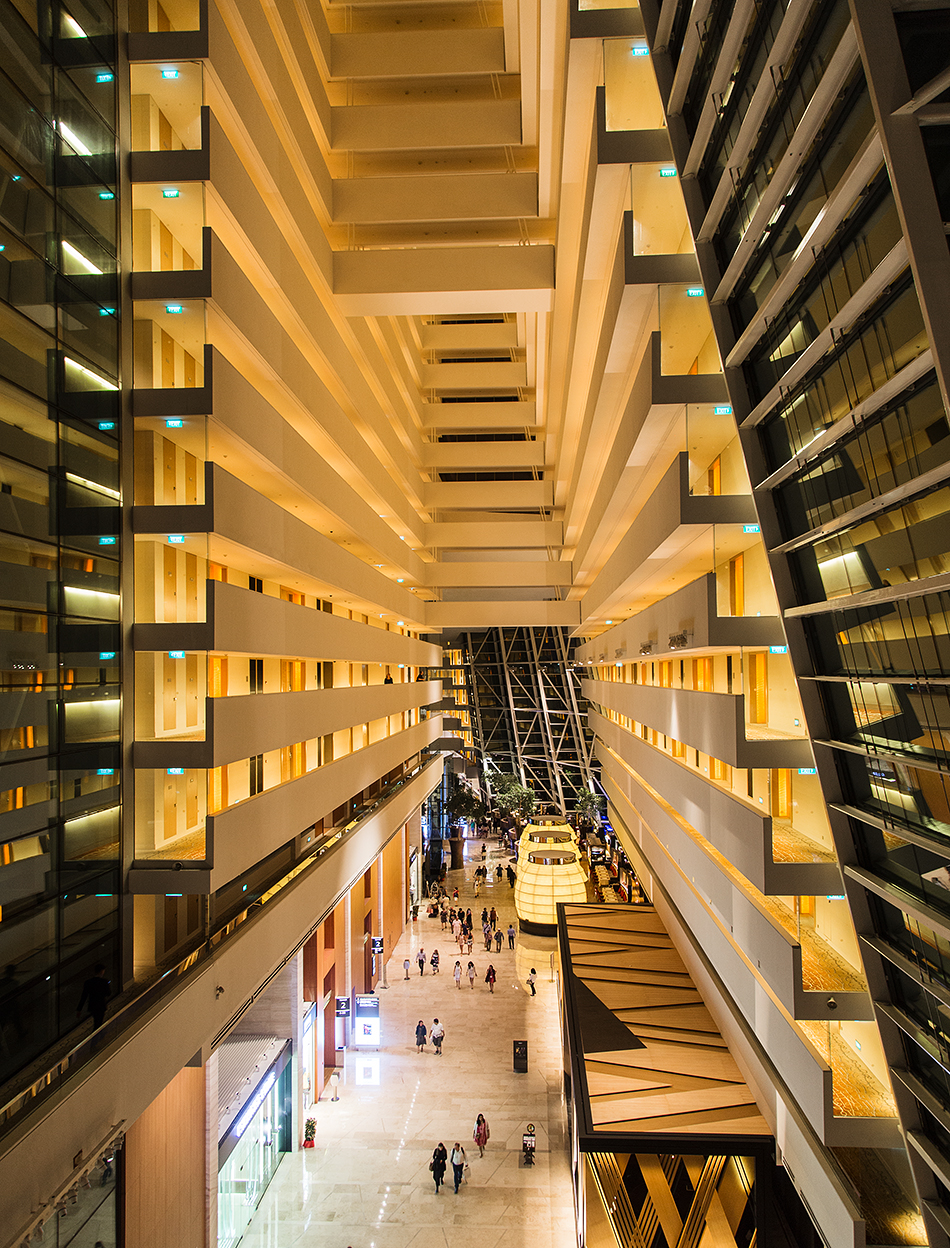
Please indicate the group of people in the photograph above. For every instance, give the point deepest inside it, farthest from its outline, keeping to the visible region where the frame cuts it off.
(436, 1035)
(441, 1156)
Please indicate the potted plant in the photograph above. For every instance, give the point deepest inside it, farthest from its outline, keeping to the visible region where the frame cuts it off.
(309, 1131)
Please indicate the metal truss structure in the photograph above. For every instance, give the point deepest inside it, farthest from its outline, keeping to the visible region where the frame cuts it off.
(528, 715)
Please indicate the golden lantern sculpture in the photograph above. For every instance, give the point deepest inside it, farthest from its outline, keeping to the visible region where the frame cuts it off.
(547, 875)
(546, 832)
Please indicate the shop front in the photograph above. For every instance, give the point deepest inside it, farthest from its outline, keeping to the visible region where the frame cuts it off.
(252, 1147)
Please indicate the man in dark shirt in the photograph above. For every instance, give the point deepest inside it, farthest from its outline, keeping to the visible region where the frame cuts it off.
(95, 994)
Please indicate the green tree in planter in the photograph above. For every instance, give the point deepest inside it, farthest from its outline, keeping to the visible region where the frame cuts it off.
(518, 799)
(503, 782)
(587, 806)
(463, 804)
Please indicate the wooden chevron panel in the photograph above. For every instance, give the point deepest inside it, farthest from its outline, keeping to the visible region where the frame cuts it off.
(683, 1080)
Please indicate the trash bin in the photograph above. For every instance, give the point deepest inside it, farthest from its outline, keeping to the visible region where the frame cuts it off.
(519, 1054)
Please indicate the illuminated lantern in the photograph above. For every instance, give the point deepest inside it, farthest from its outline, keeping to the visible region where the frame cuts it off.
(547, 875)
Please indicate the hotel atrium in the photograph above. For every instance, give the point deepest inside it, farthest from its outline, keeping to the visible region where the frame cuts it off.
(356, 356)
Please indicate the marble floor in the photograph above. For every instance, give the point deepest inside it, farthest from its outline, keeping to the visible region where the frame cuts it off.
(366, 1184)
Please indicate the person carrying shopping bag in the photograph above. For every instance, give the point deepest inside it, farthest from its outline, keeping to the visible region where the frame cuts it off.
(458, 1164)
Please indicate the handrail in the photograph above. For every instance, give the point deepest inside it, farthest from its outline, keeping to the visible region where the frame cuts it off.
(169, 980)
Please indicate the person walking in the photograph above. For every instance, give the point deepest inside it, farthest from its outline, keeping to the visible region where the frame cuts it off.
(498, 939)
(511, 935)
(437, 1035)
(458, 1165)
(486, 932)
(456, 926)
(444, 916)
(405, 966)
(498, 873)
(421, 1034)
(478, 884)
(468, 919)
(532, 980)
(437, 1165)
(493, 918)
(421, 959)
(490, 978)
(458, 974)
(434, 961)
(95, 993)
(455, 894)
(471, 975)
(485, 915)
(480, 1134)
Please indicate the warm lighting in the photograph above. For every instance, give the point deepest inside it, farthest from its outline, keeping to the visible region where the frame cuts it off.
(88, 374)
(546, 876)
(79, 258)
(93, 485)
(74, 142)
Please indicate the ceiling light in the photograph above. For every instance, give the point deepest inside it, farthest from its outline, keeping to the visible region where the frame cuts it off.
(75, 143)
(79, 258)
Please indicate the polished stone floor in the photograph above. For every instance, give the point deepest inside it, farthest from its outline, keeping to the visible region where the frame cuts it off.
(367, 1182)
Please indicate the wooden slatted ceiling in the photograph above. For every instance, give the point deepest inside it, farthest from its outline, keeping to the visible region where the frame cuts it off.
(683, 1080)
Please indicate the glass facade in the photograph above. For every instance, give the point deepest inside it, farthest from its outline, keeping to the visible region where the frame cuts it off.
(59, 518)
(857, 447)
(252, 1150)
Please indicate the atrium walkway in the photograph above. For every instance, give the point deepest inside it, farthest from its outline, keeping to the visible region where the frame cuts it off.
(367, 1182)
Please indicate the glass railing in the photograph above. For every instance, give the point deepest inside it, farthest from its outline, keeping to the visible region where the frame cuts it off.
(170, 979)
